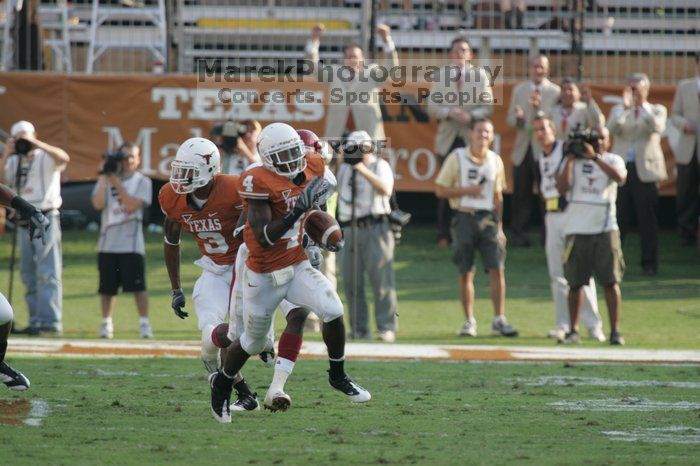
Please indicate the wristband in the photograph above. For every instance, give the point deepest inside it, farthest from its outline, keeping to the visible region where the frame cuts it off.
(22, 206)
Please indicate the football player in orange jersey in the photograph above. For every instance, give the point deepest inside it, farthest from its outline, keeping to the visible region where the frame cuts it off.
(279, 192)
(207, 205)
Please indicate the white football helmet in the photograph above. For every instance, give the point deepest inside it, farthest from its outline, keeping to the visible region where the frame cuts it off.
(196, 162)
(282, 150)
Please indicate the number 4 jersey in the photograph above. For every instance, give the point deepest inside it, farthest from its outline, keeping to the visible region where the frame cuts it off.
(212, 226)
(258, 183)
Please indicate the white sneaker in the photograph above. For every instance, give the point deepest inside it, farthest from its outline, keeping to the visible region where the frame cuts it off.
(596, 333)
(557, 334)
(501, 327)
(277, 401)
(468, 328)
(107, 330)
(387, 336)
(145, 330)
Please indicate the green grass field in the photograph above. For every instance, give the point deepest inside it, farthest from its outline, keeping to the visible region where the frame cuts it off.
(663, 312)
(141, 411)
(155, 411)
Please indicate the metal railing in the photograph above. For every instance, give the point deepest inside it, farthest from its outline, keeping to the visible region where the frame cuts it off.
(604, 40)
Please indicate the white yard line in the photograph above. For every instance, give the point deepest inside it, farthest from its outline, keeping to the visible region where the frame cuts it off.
(368, 351)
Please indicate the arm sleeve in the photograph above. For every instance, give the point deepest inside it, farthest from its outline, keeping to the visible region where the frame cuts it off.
(436, 110)
(253, 187)
(677, 118)
(10, 170)
(385, 174)
(512, 121)
(145, 191)
(483, 110)
(500, 184)
(449, 172)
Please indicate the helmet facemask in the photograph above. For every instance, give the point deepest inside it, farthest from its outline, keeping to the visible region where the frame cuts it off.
(288, 162)
(185, 177)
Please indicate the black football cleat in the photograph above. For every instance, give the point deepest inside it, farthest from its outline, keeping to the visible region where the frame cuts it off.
(14, 380)
(352, 390)
(220, 397)
(246, 402)
(616, 338)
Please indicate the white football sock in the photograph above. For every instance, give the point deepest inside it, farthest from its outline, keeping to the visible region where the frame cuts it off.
(283, 368)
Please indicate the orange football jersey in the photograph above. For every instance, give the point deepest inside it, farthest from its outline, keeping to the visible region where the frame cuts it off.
(213, 225)
(259, 183)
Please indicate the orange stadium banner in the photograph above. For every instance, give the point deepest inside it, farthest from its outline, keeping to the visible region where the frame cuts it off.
(87, 115)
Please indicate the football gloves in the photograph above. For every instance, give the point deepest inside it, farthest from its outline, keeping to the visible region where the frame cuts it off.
(315, 193)
(315, 257)
(178, 303)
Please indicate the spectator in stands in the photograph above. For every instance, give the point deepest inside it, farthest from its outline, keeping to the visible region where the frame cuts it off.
(551, 162)
(342, 117)
(573, 112)
(473, 178)
(122, 193)
(374, 183)
(593, 240)
(33, 168)
(636, 126)
(454, 120)
(237, 142)
(685, 115)
(537, 94)
(513, 13)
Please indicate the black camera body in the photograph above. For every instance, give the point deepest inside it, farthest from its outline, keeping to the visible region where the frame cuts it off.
(397, 220)
(578, 137)
(354, 153)
(23, 147)
(113, 163)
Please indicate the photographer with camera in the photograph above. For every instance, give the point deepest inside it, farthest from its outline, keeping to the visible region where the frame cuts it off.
(237, 143)
(122, 193)
(591, 177)
(365, 184)
(551, 160)
(33, 168)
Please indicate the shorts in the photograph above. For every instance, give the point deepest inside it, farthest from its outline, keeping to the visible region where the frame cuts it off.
(477, 231)
(598, 255)
(127, 270)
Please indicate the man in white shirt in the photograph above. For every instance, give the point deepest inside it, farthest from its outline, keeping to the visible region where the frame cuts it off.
(593, 245)
(473, 179)
(33, 168)
(373, 184)
(551, 160)
(122, 197)
(237, 143)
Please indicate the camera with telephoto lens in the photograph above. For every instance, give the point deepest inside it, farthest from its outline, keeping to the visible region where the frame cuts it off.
(113, 163)
(23, 147)
(578, 137)
(230, 132)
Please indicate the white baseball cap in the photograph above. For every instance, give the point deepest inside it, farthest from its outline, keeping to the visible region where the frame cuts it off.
(359, 137)
(22, 126)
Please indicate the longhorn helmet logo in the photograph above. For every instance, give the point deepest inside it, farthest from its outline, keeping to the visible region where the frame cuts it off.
(207, 157)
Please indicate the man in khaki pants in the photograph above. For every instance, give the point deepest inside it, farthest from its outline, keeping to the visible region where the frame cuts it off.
(537, 94)
(685, 115)
(454, 119)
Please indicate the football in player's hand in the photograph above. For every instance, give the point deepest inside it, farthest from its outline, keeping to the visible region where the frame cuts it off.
(324, 230)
